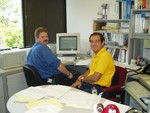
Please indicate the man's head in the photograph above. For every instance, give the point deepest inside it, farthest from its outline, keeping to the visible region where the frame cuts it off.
(41, 35)
(97, 42)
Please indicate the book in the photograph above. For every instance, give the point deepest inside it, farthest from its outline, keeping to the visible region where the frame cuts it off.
(136, 4)
(143, 4)
(113, 52)
(149, 4)
(120, 10)
(123, 9)
(128, 9)
(116, 55)
(122, 55)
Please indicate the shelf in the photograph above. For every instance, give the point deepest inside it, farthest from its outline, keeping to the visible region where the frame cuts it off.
(119, 47)
(111, 31)
(141, 36)
(116, 32)
(137, 36)
(113, 21)
(122, 0)
(139, 11)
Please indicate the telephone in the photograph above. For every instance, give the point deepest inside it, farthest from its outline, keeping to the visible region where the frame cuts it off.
(146, 69)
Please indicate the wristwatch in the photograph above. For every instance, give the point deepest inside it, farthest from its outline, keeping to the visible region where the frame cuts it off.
(80, 78)
(69, 76)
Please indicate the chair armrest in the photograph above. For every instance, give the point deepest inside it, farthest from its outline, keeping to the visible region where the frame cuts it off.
(112, 88)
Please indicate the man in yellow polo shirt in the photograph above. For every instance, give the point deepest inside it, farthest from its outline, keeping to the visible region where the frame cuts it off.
(102, 67)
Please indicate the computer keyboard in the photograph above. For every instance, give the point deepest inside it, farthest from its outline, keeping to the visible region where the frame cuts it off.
(85, 62)
(67, 58)
(137, 89)
(145, 80)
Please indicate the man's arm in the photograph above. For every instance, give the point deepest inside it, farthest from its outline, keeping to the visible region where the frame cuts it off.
(64, 70)
(78, 82)
(85, 78)
(90, 79)
(86, 73)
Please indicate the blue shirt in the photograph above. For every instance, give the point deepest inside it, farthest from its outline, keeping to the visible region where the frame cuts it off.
(42, 58)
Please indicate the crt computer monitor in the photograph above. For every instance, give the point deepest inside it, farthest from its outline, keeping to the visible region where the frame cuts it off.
(67, 43)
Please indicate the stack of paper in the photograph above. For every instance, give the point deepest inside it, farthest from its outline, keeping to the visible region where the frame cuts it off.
(39, 92)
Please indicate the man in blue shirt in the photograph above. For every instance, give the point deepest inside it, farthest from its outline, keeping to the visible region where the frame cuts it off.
(46, 63)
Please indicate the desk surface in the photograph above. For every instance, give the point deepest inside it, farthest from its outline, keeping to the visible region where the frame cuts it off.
(21, 107)
(10, 71)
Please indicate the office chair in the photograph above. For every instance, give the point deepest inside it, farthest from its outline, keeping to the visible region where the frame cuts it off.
(32, 76)
(115, 91)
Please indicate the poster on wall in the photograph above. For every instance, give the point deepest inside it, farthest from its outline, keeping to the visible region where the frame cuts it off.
(146, 51)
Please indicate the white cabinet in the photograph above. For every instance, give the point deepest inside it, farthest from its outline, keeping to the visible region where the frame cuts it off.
(11, 82)
(15, 83)
(2, 102)
(116, 33)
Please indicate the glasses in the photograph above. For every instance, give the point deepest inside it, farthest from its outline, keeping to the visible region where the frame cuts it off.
(96, 41)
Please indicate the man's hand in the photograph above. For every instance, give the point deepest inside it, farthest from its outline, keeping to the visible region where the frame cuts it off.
(70, 76)
(77, 83)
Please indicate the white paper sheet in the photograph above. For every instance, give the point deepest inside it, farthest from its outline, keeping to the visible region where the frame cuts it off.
(80, 99)
(45, 108)
(57, 90)
(40, 92)
(33, 92)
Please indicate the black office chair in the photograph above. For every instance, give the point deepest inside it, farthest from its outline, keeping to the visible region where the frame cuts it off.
(32, 76)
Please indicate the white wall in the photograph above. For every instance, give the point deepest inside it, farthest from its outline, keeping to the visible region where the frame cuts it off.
(80, 16)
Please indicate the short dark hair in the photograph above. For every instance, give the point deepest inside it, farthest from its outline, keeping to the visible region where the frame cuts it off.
(99, 34)
(39, 30)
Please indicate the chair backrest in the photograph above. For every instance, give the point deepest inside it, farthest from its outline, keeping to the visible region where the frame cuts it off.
(32, 76)
(122, 72)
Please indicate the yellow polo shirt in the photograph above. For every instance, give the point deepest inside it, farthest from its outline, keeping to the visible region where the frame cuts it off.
(103, 63)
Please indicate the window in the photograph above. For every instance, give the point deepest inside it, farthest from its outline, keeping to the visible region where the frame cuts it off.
(11, 27)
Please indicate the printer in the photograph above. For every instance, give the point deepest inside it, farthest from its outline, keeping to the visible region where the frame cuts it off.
(12, 58)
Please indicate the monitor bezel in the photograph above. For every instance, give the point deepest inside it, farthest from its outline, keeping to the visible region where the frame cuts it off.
(68, 52)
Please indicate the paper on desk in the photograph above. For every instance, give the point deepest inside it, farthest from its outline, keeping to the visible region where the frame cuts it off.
(52, 101)
(129, 67)
(85, 62)
(24, 99)
(133, 67)
(80, 99)
(56, 90)
(45, 108)
(32, 92)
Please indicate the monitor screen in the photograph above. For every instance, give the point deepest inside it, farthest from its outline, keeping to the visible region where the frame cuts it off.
(68, 43)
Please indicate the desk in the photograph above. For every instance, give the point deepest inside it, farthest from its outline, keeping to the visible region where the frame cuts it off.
(134, 91)
(21, 107)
